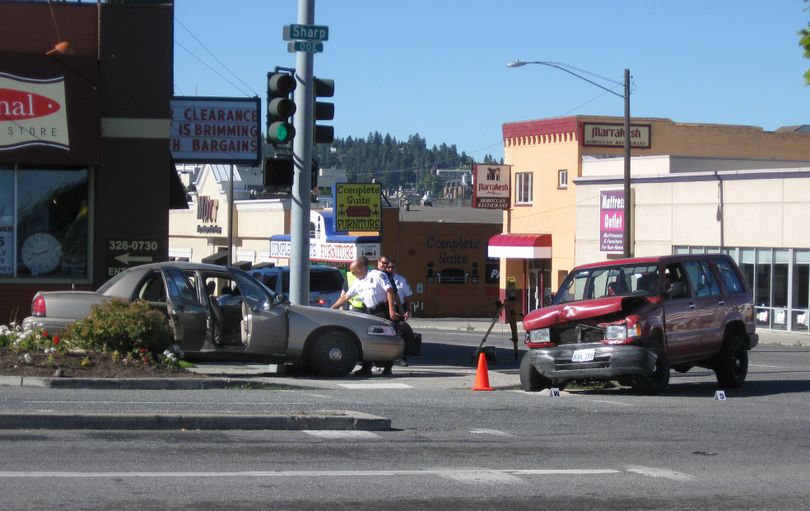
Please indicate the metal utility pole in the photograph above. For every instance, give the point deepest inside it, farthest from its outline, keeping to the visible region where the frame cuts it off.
(302, 161)
(628, 221)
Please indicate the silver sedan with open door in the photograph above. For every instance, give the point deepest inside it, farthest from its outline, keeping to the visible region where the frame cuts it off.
(223, 313)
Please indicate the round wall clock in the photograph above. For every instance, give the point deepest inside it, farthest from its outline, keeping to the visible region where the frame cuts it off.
(41, 253)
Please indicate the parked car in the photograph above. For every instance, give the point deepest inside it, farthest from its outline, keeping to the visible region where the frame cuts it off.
(325, 282)
(634, 319)
(224, 311)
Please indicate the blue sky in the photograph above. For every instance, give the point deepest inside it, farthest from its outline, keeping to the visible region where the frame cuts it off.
(438, 67)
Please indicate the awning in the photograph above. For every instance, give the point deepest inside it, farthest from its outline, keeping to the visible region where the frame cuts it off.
(520, 246)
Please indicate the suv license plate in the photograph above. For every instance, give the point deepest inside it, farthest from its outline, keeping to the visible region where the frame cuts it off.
(583, 355)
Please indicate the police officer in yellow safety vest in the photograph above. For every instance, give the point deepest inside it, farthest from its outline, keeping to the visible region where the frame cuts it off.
(356, 301)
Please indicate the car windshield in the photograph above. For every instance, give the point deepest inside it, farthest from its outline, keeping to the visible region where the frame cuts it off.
(107, 285)
(619, 280)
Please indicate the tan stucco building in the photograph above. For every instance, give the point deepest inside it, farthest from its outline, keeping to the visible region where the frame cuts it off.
(753, 210)
(547, 159)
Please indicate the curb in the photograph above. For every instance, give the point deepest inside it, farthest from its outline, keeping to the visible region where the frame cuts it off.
(140, 383)
(325, 420)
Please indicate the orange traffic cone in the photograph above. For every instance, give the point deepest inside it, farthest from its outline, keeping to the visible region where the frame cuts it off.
(482, 374)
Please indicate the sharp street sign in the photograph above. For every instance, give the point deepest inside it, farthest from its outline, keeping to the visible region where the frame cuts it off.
(306, 33)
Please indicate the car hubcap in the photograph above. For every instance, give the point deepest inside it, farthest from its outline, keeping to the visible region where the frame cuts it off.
(335, 354)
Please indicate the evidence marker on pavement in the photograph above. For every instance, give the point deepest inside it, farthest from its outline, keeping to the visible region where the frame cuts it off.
(720, 395)
(553, 392)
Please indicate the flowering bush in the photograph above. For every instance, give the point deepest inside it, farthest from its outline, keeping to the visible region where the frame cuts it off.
(16, 338)
(122, 326)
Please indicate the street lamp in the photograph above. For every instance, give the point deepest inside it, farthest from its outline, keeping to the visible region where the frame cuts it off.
(563, 67)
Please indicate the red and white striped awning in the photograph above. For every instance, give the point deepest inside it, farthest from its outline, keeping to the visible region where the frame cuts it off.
(520, 246)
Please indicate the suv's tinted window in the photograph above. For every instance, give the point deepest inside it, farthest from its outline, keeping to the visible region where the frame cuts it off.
(325, 281)
(730, 279)
(701, 278)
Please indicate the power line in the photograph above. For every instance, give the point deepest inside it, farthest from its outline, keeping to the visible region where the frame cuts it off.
(212, 54)
(248, 94)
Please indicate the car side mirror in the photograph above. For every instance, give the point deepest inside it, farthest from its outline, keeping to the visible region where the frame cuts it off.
(548, 298)
(280, 298)
(677, 290)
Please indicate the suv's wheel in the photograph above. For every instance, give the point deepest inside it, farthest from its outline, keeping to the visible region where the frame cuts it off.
(333, 354)
(732, 363)
(530, 379)
(658, 379)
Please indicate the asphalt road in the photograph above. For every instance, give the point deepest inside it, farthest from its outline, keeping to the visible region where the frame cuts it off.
(451, 448)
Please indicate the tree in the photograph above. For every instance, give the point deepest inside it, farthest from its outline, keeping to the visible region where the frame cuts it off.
(804, 42)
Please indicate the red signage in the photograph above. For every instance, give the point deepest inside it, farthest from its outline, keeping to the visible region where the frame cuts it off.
(28, 108)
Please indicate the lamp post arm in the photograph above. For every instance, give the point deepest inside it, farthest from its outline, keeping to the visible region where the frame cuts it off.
(563, 68)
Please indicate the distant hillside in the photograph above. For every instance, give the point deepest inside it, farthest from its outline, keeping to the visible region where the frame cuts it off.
(393, 163)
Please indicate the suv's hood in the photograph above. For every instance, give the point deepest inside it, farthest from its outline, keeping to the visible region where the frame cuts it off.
(576, 311)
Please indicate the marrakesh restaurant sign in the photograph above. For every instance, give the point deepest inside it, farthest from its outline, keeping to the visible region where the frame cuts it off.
(33, 112)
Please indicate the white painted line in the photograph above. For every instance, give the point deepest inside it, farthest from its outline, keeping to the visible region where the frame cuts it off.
(485, 477)
(493, 432)
(660, 472)
(617, 403)
(340, 434)
(769, 367)
(375, 385)
(459, 474)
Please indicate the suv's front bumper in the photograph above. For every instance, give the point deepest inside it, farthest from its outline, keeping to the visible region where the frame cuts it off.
(609, 361)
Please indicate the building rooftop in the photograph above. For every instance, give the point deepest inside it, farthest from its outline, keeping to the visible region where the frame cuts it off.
(465, 214)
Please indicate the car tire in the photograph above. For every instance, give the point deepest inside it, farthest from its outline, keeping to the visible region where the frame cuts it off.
(732, 363)
(530, 379)
(658, 380)
(333, 354)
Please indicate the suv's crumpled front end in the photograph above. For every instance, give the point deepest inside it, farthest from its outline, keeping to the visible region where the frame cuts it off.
(593, 339)
(596, 361)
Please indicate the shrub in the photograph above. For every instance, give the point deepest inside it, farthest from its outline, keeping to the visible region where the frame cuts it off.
(123, 326)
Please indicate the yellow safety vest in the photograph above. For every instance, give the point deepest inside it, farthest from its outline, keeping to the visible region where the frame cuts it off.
(355, 301)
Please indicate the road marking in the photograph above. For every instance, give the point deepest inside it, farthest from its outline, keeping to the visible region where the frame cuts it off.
(617, 403)
(769, 367)
(479, 477)
(660, 472)
(375, 385)
(463, 475)
(340, 434)
(493, 432)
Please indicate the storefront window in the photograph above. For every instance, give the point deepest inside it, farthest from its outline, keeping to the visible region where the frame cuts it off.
(801, 290)
(51, 224)
(6, 222)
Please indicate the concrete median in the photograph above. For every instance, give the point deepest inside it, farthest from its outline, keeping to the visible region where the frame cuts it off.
(320, 420)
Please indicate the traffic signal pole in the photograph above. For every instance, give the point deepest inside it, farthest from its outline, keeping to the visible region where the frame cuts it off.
(302, 161)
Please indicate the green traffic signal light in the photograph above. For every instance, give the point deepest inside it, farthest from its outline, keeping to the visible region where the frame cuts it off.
(281, 132)
(280, 107)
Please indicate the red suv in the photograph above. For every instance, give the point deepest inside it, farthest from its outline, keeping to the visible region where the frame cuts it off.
(634, 319)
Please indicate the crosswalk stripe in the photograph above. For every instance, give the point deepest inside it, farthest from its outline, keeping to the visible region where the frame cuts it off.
(375, 385)
(340, 434)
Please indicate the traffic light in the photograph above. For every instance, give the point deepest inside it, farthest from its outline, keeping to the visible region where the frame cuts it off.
(280, 108)
(323, 111)
(279, 172)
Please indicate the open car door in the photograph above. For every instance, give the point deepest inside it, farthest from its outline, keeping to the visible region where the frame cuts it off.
(264, 327)
(188, 316)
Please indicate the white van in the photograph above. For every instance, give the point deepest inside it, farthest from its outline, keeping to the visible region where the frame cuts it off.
(325, 282)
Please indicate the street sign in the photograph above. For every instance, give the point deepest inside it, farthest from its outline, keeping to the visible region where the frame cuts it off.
(122, 254)
(306, 32)
(309, 46)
